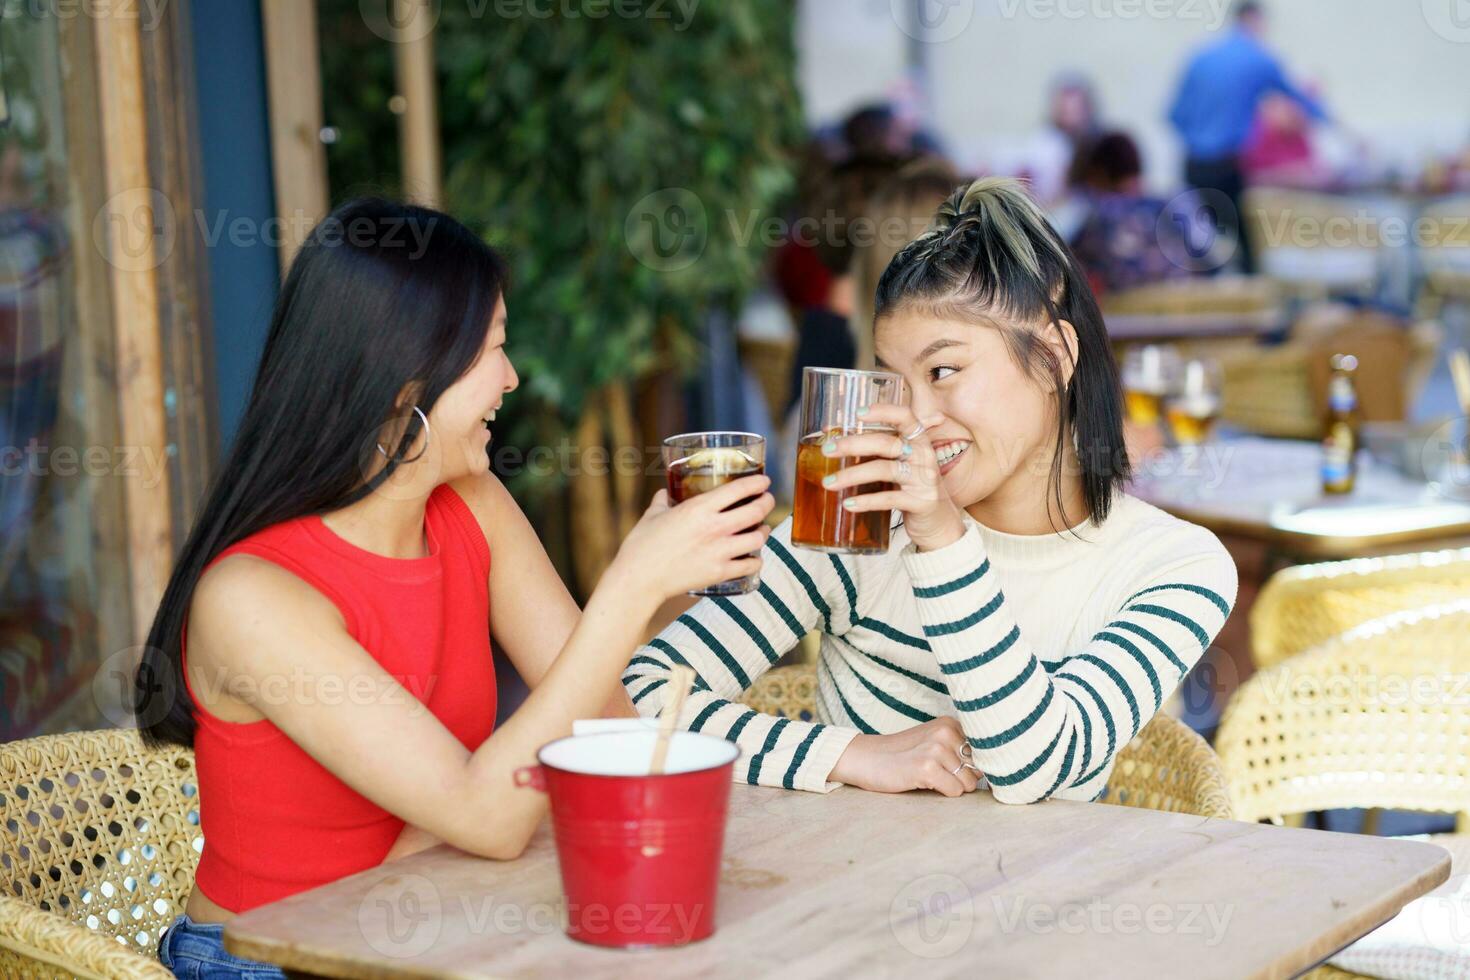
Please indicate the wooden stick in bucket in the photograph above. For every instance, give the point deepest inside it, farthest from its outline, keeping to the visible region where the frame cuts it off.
(681, 679)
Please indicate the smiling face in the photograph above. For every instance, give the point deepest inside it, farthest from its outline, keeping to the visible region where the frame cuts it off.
(999, 421)
(462, 416)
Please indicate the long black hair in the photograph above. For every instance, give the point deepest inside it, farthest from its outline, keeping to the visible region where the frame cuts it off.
(992, 251)
(382, 297)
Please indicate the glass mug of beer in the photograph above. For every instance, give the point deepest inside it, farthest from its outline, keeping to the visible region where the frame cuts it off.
(697, 462)
(830, 399)
(1148, 373)
(1194, 404)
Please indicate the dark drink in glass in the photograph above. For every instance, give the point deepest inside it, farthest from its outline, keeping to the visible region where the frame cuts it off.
(830, 399)
(697, 462)
(819, 520)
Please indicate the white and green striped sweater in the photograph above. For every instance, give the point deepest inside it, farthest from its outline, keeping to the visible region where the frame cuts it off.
(1052, 652)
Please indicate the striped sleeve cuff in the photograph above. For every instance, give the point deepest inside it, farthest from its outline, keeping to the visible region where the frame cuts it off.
(815, 774)
(944, 575)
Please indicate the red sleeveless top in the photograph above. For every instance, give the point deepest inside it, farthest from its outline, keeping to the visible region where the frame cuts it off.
(277, 822)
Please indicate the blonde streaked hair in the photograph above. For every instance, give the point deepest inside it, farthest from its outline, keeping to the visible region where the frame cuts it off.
(993, 259)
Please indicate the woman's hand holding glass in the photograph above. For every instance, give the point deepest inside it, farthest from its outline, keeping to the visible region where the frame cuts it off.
(906, 458)
(673, 550)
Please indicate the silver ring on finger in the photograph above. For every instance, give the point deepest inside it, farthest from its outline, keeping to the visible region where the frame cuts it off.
(956, 770)
(904, 469)
(965, 751)
(918, 431)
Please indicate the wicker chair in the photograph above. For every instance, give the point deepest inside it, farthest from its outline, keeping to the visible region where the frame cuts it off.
(1443, 251)
(1166, 767)
(1349, 723)
(1343, 725)
(101, 839)
(1303, 606)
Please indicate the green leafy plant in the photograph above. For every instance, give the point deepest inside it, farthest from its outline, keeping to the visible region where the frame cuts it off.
(624, 164)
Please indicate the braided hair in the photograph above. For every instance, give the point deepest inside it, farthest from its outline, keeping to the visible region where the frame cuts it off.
(992, 258)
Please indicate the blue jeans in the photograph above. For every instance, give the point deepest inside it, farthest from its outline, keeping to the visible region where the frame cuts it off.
(196, 951)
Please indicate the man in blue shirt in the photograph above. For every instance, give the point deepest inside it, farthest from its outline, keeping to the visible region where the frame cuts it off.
(1216, 106)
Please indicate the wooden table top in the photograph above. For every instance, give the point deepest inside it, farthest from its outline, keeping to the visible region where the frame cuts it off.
(1270, 490)
(858, 882)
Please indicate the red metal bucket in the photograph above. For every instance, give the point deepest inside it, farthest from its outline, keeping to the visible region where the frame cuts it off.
(639, 854)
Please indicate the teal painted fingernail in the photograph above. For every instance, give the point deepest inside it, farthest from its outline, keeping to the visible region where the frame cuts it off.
(849, 504)
(828, 480)
(862, 411)
(829, 447)
(907, 449)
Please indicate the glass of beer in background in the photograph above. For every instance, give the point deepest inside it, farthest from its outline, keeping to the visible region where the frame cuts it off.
(1193, 404)
(1148, 372)
(830, 399)
(697, 462)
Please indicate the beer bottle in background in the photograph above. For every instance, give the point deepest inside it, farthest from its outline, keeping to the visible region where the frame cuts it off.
(1340, 444)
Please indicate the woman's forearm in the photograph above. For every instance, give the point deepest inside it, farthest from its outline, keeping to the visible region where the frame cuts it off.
(581, 683)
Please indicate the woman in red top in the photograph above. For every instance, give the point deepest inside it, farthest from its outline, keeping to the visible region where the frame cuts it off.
(324, 640)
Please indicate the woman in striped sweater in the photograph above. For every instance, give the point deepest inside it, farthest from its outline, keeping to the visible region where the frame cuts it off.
(1030, 616)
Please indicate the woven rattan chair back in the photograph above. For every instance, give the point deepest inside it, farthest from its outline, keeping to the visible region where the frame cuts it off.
(1304, 606)
(97, 854)
(1378, 717)
(1166, 767)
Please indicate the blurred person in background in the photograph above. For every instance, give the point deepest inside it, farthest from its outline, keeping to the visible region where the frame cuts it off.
(1072, 122)
(1279, 151)
(1121, 241)
(1215, 108)
(898, 212)
(834, 225)
(874, 137)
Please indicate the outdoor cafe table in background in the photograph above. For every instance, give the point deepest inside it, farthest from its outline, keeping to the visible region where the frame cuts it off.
(1270, 490)
(859, 883)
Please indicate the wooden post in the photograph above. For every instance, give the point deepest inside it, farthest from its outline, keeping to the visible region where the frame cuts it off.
(128, 227)
(418, 122)
(294, 80)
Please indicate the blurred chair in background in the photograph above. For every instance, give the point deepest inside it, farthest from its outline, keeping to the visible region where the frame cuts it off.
(1377, 717)
(1444, 250)
(1282, 391)
(1314, 245)
(1307, 605)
